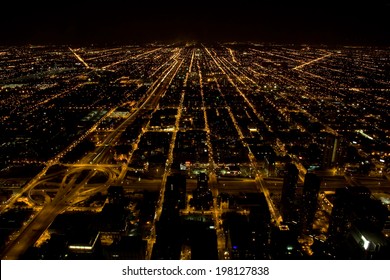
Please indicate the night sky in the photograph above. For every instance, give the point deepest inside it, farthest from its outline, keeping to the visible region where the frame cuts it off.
(125, 21)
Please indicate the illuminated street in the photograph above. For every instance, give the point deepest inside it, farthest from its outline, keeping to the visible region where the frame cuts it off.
(184, 144)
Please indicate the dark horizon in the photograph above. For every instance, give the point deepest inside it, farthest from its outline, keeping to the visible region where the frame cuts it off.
(121, 22)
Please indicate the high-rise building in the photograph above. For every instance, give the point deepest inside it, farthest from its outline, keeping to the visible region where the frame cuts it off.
(366, 243)
(356, 224)
(175, 190)
(331, 148)
(284, 244)
(168, 227)
(202, 196)
(202, 181)
(311, 188)
(259, 223)
(346, 202)
(289, 192)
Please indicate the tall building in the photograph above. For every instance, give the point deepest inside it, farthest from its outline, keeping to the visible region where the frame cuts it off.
(367, 243)
(311, 187)
(168, 228)
(202, 196)
(284, 244)
(331, 148)
(175, 190)
(290, 181)
(202, 181)
(259, 223)
(346, 202)
(356, 225)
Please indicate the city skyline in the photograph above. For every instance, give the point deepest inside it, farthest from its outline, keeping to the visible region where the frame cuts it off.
(194, 151)
(201, 130)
